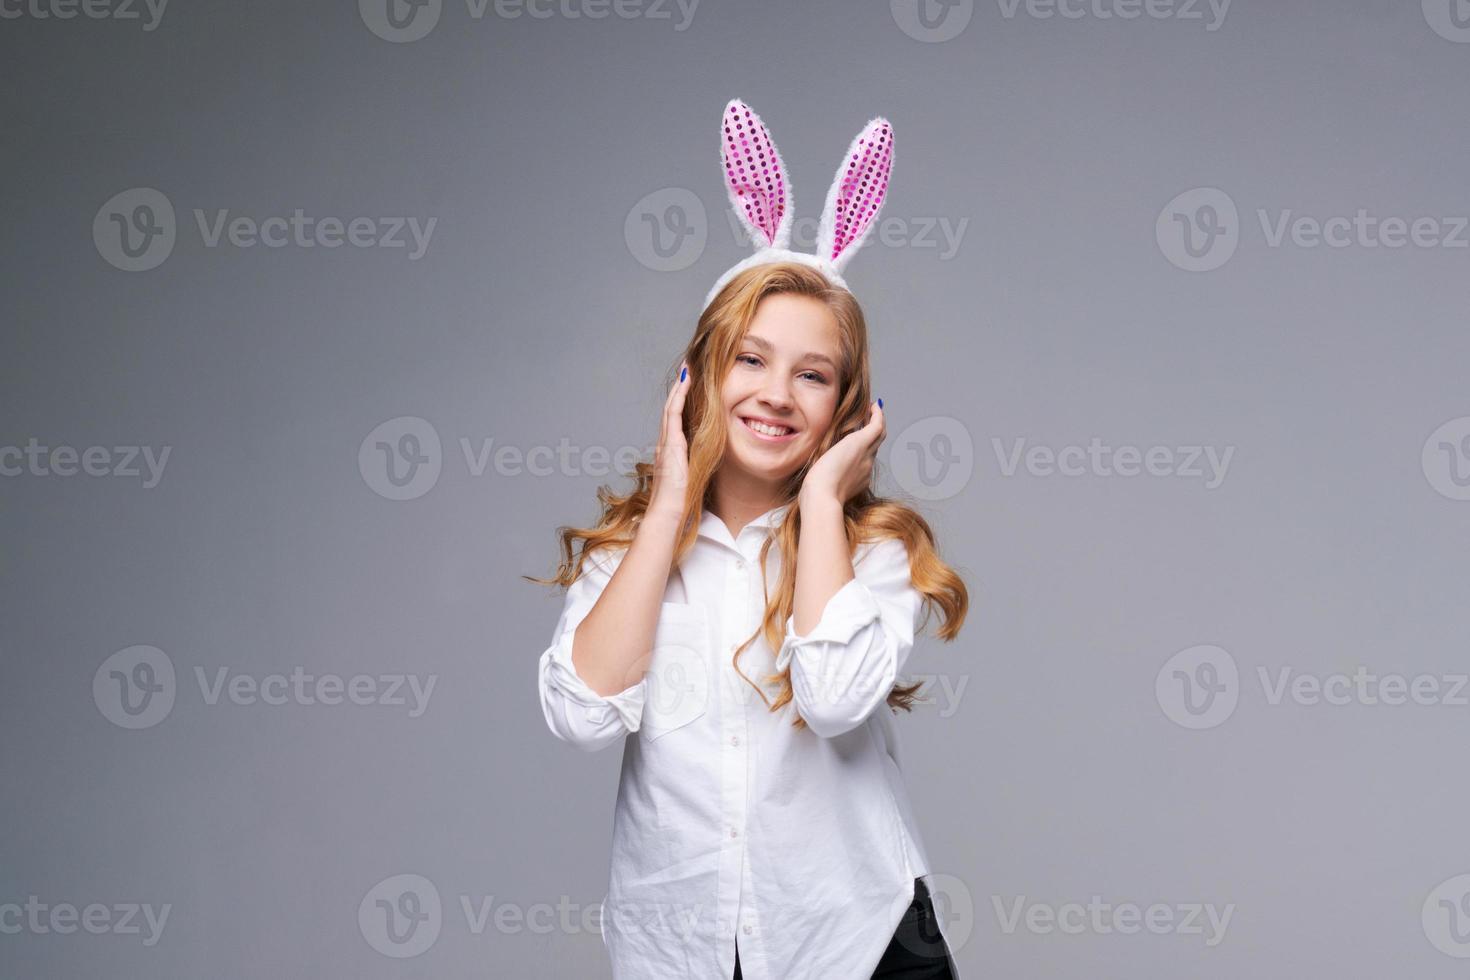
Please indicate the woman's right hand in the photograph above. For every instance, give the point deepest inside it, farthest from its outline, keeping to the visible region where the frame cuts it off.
(671, 459)
(610, 648)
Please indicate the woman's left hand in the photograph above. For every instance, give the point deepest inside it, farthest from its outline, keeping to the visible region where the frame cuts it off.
(847, 467)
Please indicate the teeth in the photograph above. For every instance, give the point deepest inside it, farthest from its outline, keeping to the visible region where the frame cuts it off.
(767, 430)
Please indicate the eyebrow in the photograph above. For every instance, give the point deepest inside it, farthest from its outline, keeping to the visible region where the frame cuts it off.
(765, 345)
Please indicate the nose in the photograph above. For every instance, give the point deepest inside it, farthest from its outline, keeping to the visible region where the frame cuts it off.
(776, 393)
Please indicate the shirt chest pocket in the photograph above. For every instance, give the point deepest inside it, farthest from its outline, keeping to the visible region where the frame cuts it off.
(679, 676)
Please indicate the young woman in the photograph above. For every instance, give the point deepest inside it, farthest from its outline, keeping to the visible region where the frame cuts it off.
(739, 619)
(743, 613)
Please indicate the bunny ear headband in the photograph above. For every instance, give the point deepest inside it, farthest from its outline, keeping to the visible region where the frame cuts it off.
(760, 193)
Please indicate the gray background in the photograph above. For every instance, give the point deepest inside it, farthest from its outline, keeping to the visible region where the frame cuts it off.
(1057, 775)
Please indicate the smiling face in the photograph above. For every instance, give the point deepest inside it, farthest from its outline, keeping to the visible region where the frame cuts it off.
(781, 393)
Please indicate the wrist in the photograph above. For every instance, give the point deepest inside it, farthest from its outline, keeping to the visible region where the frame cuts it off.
(813, 502)
(662, 519)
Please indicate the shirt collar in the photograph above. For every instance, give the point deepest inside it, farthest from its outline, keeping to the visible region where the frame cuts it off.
(710, 525)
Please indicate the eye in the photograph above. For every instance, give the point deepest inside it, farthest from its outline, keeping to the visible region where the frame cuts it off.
(815, 376)
(750, 359)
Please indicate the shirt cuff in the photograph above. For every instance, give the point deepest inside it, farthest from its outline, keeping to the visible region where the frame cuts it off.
(627, 703)
(850, 609)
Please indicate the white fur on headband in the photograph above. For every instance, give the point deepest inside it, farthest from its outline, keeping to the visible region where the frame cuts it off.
(760, 195)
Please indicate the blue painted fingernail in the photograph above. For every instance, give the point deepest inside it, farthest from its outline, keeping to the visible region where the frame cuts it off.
(880, 403)
(682, 373)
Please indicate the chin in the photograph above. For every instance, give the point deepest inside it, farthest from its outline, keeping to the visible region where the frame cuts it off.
(761, 465)
(766, 475)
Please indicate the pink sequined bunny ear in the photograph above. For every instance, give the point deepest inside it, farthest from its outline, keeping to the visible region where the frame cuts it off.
(856, 194)
(755, 177)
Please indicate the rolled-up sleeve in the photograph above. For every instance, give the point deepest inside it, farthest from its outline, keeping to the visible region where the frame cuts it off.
(574, 712)
(844, 668)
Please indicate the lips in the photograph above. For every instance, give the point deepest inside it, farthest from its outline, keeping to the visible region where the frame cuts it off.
(768, 430)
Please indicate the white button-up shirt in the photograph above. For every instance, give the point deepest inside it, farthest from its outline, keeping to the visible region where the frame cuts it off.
(731, 825)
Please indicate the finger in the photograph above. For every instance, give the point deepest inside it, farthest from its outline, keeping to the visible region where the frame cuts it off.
(674, 403)
(873, 432)
(673, 390)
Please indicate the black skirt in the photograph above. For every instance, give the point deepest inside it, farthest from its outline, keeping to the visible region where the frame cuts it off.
(917, 950)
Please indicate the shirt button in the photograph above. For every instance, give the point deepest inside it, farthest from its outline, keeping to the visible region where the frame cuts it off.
(747, 930)
(734, 832)
(740, 564)
(734, 739)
